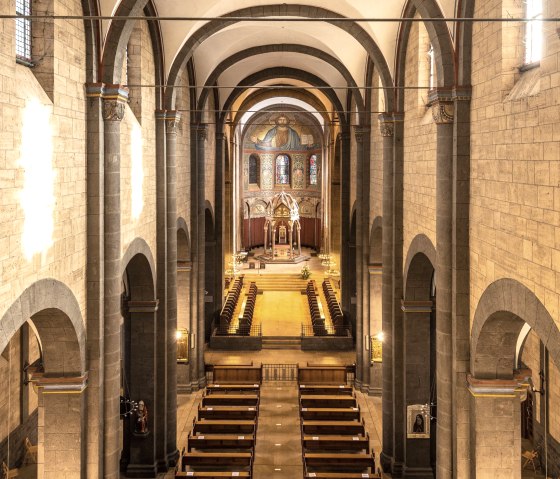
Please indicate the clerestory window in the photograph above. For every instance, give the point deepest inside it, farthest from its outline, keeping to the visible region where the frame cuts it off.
(23, 32)
(533, 32)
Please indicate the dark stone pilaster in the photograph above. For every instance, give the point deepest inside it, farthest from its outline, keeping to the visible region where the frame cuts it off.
(387, 132)
(443, 113)
(114, 99)
(219, 222)
(162, 292)
(172, 120)
(346, 269)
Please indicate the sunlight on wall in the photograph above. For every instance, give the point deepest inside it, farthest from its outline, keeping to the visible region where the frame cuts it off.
(37, 197)
(137, 171)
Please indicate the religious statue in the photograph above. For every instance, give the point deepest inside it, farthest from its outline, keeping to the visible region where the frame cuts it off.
(141, 419)
(282, 136)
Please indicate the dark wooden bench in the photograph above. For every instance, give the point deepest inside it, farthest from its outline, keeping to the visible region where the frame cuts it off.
(322, 374)
(348, 462)
(336, 443)
(222, 426)
(225, 399)
(220, 441)
(226, 388)
(225, 459)
(228, 374)
(212, 474)
(325, 389)
(340, 475)
(327, 400)
(227, 412)
(317, 428)
(331, 413)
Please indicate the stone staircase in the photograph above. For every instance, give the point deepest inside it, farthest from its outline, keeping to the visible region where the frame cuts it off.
(280, 282)
(281, 342)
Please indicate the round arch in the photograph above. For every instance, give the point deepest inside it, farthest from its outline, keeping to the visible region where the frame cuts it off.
(183, 240)
(504, 307)
(55, 312)
(375, 241)
(420, 244)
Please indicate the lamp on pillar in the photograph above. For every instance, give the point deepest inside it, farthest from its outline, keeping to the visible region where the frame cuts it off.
(182, 336)
(377, 347)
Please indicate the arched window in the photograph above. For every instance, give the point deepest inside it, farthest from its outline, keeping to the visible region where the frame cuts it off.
(533, 32)
(312, 168)
(282, 170)
(254, 169)
(23, 32)
(431, 68)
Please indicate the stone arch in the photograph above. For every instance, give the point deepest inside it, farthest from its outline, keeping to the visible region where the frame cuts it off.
(463, 41)
(289, 48)
(421, 244)
(440, 39)
(56, 315)
(183, 240)
(352, 28)
(210, 222)
(502, 310)
(136, 247)
(375, 241)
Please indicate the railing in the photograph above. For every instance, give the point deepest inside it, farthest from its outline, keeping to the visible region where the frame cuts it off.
(246, 330)
(326, 330)
(279, 372)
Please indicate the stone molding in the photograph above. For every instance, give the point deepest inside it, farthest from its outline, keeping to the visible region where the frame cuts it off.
(408, 306)
(360, 133)
(375, 269)
(184, 266)
(58, 385)
(172, 122)
(443, 108)
(492, 388)
(143, 306)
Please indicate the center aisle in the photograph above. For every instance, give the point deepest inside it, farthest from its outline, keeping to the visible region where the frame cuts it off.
(278, 446)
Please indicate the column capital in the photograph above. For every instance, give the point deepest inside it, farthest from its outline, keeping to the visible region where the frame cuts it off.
(172, 122)
(443, 108)
(375, 269)
(59, 384)
(462, 93)
(343, 136)
(201, 130)
(494, 388)
(408, 306)
(220, 136)
(360, 133)
(386, 125)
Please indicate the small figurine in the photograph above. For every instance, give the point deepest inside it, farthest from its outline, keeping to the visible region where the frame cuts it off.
(141, 419)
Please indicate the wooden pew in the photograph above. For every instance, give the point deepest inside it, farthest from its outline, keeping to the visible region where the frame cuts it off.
(227, 412)
(213, 474)
(225, 399)
(325, 389)
(347, 462)
(220, 441)
(223, 426)
(227, 388)
(331, 414)
(322, 375)
(237, 374)
(336, 443)
(340, 475)
(327, 400)
(9, 473)
(317, 428)
(214, 459)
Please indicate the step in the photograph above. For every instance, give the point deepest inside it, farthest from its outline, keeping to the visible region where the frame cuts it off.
(281, 342)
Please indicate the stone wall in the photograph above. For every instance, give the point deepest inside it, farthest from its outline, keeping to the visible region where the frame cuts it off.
(184, 151)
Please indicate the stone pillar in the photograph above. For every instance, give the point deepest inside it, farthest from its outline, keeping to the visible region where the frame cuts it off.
(171, 125)
(94, 277)
(346, 269)
(160, 413)
(265, 237)
(416, 338)
(184, 269)
(375, 287)
(60, 450)
(198, 175)
(443, 112)
(219, 266)
(114, 104)
(495, 428)
(143, 461)
(291, 238)
(299, 238)
(387, 132)
(273, 239)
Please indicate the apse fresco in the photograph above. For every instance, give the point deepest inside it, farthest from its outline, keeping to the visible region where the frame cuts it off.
(282, 132)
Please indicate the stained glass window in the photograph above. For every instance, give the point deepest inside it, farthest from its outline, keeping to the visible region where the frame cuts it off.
(533, 32)
(23, 31)
(254, 169)
(282, 170)
(313, 170)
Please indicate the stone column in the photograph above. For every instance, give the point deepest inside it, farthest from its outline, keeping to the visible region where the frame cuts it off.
(416, 318)
(495, 428)
(60, 451)
(219, 266)
(443, 112)
(299, 238)
(201, 132)
(291, 237)
(273, 239)
(265, 237)
(346, 269)
(184, 269)
(160, 413)
(387, 132)
(94, 278)
(171, 126)
(143, 460)
(114, 100)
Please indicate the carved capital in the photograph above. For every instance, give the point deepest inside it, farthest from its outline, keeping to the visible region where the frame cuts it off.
(113, 110)
(201, 131)
(443, 112)
(360, 133)
(172, 122)
(386, 125)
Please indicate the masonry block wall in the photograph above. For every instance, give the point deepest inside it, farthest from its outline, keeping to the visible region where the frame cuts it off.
(182, 98)
(210, 154)
(138, 149)
(376, 157)
(419, 197)
(62, 256)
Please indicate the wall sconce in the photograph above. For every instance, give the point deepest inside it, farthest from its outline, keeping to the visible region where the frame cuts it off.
(377, 347)
(182, 336)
